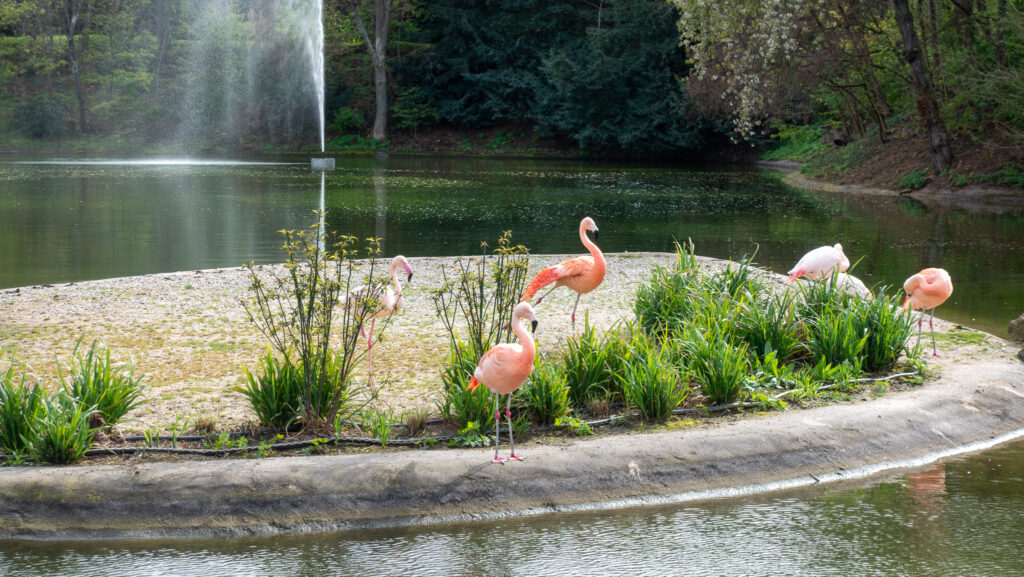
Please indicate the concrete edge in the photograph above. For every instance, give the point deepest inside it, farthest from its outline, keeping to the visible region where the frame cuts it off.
(980, 401)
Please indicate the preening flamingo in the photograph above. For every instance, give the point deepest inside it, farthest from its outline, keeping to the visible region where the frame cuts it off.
(820, 263)
(503, 369)
(925, 291)
(386, 302)
(581, 274)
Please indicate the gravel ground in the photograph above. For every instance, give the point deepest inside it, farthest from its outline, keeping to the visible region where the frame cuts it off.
(188, 335)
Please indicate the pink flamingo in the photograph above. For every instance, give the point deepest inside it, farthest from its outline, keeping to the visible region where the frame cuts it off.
(820, 263)
(503, 369)
(581, 274)
(925, 291)
(386, 302)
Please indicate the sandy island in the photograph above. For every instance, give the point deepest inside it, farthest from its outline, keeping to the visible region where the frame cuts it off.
(188, 331)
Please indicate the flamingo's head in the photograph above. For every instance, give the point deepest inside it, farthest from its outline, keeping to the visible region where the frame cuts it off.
(844, 263)
(522, 311)
(401, 261)
(588, 224)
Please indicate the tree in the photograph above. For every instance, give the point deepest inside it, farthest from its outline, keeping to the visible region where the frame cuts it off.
(69, 16)
(378, 49)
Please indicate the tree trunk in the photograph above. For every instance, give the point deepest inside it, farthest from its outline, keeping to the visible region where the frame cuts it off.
(71, 11)
(377, 48)
(924, 93)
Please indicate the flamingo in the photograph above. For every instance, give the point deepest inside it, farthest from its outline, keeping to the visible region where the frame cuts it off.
(387, 301)
(503, 369)
(820, 263)
(581, 274)
(925, 291)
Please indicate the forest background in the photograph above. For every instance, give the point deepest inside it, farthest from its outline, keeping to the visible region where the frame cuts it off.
(895, 93)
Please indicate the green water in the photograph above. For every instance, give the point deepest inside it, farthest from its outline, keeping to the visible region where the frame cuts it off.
(960, 518)
(64, 222)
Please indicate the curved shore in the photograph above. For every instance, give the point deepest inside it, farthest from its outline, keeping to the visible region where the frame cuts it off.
(978, 396)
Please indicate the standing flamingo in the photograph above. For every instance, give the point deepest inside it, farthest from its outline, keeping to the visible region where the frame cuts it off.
(503, 369)
(820, 263)
(581, 274)
(386, 302)
(925, 291)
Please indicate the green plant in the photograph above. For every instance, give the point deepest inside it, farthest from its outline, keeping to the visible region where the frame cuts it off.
(347, 119)
(112, 389)
(21, 407)
(180, 425)
(796, 142)
(459, 404)
(296, 313)
(62, 434)
(887, 328)
(579, 427)
(768, 326)
(546, 394)
(380, 422)
(834, 336)
(717, 364)
(465, 145)
(591, 362)
(470, 436)
(914, 180)
(650, 383)
(664, 303)
(410, 109)
(501, 140)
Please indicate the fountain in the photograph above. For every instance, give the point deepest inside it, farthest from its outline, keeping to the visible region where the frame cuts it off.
(315, 49)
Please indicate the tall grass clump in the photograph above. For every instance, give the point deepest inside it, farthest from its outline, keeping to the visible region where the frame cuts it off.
(475, 304)
(663, 304)
(767, 324)
(458, 404)
(650, 382)
(112, 389)
(887, 327)
(718, 365)
(63, 433)
(21, 406)
(546, 394)
(592, 360)
(296, 312)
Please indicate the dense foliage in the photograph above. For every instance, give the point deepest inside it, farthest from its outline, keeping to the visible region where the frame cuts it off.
(623, 77)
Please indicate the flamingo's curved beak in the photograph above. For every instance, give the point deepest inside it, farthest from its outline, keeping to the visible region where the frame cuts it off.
(533, 326)
(408, 270)
(595, 233)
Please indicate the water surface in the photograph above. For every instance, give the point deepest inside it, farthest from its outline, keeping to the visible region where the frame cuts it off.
(960, 517)
(64, 221)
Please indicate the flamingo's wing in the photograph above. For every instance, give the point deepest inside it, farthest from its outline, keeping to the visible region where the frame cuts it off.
(497, 363)
(566, 269)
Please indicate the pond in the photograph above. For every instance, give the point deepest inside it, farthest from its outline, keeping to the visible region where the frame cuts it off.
(959, 517)
(66, 221)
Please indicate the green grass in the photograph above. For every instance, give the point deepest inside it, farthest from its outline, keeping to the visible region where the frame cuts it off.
(796, 142)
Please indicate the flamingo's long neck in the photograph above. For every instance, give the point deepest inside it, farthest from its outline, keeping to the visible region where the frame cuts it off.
(394, 279)
(594, 250)
(529, 349)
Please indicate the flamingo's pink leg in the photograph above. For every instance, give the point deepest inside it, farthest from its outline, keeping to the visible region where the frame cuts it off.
(512, 456)
(497, 421)
(545, 295)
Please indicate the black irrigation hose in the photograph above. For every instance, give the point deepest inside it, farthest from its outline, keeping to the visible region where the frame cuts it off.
(293, 445)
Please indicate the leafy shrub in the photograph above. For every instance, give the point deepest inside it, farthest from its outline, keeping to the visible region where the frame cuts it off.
(767, 325)
(347, 120)
(835, 337)
(410, 110)
(546, 394)
(63, 434)
(94, 381)
(914, 180)
(276, 393)
(591, 362)
(796, 142)
(40, 116)
(21, 406)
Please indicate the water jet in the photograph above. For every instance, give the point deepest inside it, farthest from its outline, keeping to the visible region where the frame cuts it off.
(322, 164)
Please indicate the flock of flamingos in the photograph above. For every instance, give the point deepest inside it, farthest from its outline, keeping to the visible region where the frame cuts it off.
(505, 367)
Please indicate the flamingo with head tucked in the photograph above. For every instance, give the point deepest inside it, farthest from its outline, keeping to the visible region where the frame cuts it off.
(503, 369)
(925, 291)
(581, 274)
(820, 263)
(385, 302)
